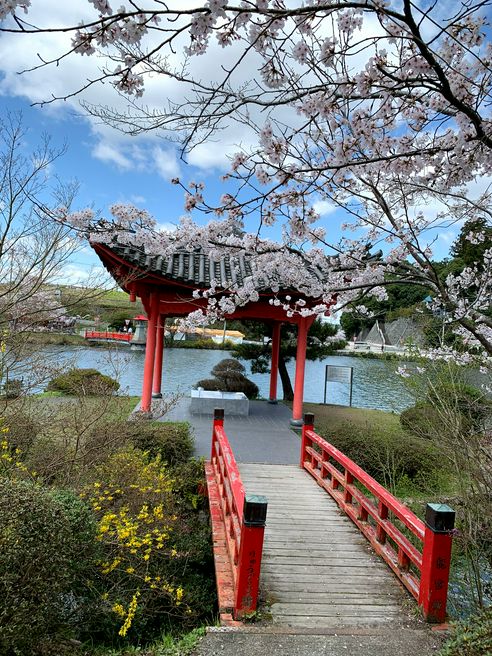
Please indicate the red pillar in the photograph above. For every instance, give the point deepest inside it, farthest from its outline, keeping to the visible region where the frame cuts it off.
(145, 405)
(159, 351)
(302, 331)
(250, 553)
(274, 365)
(436, 561)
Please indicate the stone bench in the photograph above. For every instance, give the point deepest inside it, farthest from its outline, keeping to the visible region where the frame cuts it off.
(204, 402)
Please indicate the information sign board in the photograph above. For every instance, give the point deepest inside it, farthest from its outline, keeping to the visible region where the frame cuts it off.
(339, 374)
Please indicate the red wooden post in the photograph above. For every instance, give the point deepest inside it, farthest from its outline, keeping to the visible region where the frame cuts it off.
(248, 571)
(349, 479)
(159, 352)
(383, 514)
(218, 421)
(436, 561)
(302, 332)
(308, 425)
(150, 354)
(274, 365)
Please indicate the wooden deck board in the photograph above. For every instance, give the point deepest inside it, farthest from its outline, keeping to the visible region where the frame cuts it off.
(317, 569)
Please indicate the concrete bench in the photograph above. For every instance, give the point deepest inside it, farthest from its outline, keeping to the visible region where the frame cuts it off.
(203, 402)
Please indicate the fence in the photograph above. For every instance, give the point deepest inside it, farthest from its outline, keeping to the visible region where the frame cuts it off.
(424, 571)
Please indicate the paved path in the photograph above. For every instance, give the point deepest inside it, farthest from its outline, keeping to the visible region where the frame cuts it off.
(263, 436)
(256, 641)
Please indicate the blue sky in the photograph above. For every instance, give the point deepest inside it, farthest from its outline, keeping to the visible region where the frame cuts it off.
(109, 166)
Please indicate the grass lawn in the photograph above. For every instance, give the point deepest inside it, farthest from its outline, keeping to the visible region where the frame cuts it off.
(115, 408)
(333, 416)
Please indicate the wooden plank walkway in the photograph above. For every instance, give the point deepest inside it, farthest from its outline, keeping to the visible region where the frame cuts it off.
(318, 571)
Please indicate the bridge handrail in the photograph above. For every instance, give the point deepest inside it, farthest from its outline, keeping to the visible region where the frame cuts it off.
(432, 563)
(98, 334)
(244, 518)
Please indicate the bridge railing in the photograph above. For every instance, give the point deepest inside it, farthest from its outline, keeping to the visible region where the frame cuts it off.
(244, 518)
(423, 569)
(97, 334)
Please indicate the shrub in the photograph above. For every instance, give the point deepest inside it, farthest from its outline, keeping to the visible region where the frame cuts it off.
(471, 638)
(171, 441)
(13, 388)
(228, 367)
(48, 548)
(229, 377)
(388, 456)
(22, 432)
(83, 382)
(211, 384)
(157, 560)
(421, 420)
(465, 399)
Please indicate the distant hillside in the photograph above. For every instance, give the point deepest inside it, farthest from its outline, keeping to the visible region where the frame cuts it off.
(109, 306)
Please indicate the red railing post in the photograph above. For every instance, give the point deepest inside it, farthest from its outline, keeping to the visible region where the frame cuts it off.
(436, 561)
(218, 421)
(382, 514)
(307, 425)
(248, 570)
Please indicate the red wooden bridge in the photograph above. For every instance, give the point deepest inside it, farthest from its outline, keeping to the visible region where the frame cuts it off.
(335, 551)
(107, 336)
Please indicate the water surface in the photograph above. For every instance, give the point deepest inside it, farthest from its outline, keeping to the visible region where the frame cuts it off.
(375, 383)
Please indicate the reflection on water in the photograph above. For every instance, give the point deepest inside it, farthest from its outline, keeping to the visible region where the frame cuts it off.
(375, 383)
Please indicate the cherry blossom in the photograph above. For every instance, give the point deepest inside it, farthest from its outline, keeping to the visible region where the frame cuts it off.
(377, 107)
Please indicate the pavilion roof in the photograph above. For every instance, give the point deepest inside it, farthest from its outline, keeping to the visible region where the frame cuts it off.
(192, 268)
(195, 268)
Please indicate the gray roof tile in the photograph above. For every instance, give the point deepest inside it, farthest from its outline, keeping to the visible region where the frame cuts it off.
(192, 268)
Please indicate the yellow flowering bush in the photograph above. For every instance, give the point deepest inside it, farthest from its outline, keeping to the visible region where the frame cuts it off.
(11, 457)
(141, 524)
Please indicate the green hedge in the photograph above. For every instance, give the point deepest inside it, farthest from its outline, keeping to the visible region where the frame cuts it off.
(48, 548)
(83, 382)
(388, 456)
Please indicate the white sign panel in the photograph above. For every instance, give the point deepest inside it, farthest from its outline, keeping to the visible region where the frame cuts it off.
(337, 374)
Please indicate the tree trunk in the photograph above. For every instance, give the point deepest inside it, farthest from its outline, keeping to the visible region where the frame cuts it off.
(285, 378)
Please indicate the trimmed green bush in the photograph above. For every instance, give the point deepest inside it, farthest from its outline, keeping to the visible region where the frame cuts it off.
(388, 456)
(48, 548)
(471, 638)
(83, 382)
(421, 419)
(172, 441)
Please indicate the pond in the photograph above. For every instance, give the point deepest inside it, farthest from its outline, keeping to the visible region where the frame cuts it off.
(375, 383)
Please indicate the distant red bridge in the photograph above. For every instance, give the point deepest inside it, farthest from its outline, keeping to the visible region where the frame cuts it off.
(108, 336)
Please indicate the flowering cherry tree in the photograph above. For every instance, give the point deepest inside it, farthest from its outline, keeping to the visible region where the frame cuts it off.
(380, 107)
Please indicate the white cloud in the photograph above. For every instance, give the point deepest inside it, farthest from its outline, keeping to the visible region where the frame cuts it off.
(111, 154)
(324, 207)
(447, 237)
(165, 162)
(86, 276)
